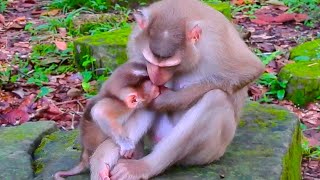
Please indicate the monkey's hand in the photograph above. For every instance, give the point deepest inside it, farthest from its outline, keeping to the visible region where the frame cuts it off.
(104, 174)
(127, 147)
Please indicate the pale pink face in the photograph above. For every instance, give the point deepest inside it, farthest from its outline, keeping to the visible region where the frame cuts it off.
(160, 70)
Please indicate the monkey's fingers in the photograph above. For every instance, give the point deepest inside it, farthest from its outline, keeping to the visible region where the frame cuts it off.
(104, 174)
(129, 154)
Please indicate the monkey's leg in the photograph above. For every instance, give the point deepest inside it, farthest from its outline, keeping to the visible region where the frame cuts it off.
(104, 158)
(108, 153)
(203, 131)
(83, 164)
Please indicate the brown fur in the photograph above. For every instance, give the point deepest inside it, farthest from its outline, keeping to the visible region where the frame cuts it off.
(112, 109)
(215, 62)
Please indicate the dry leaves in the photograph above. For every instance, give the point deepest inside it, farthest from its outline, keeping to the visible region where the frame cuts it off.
(52, 12)
(61, 45)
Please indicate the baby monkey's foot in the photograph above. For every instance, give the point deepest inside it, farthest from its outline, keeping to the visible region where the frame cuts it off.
(105, 173)
(126, 147)
(128, 154)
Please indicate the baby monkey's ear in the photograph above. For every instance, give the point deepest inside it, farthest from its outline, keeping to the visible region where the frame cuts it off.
(131, 100)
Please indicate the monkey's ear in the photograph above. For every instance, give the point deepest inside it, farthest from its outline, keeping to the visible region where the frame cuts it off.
(131, 100)
(141, 18)
(194, 33)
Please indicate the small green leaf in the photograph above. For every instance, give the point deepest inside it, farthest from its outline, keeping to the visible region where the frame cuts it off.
(86, 75)
(280, 94)
(302, 58)
(85, 86)
(44, 91)
(303, 127)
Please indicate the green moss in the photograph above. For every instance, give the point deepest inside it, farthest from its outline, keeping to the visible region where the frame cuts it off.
(242, 123)
(275, 113)
(303, 81)
(117, 37)
(223, 7)
(258, 151)
(265, 124)
(108, 49)
(310, 69)
(37, 167)
(310, 49)
(292, 159)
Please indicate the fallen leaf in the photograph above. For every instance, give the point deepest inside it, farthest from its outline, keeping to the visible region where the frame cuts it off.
(27, 102)
(2, 19)
(36, 12)
(241, 2)
(19, 92)
(52, 12)
(30, 1)
(17, 116)
(20, 19)
(301, 17)
(62, 32)
(61, 45)
(4, 106)
(22, 44)
(259, 21)
(275, 2)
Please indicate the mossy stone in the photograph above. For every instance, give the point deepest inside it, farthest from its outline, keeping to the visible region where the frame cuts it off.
(306, 51)
(266, 146)
(303, 81)
(109, 49)
(17, 146)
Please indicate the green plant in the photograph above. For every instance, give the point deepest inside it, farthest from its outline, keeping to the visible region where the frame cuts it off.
(3, 5)
(310, 7)
(247, 9)
(95, 5)
(44, 91)
(86, 77)
(266, 58)
(308, 151)
(276, 87)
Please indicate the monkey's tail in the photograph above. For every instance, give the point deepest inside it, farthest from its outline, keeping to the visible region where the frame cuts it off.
(75, 170)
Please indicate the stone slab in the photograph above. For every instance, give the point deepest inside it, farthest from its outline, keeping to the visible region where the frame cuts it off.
(266, 146)
(16, 147)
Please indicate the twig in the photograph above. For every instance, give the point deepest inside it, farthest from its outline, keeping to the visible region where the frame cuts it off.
(80, 105)
(71, 101)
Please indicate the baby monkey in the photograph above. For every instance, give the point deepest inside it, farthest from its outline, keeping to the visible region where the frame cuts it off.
(126, 91)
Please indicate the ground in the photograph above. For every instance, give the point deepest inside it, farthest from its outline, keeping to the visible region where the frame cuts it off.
(39, 82)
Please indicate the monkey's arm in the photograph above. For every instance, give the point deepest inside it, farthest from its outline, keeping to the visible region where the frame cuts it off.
(182, 99)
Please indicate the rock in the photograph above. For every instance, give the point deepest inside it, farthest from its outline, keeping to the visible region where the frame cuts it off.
(109, 49)
(303, 81)
(306, 51)
(266, 146)
(17, 146)
(74, 92)
(86, 22)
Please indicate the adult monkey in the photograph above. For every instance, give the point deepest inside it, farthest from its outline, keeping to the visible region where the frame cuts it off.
(194, 49)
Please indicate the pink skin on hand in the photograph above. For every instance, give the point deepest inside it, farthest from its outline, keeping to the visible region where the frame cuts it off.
(105, 173)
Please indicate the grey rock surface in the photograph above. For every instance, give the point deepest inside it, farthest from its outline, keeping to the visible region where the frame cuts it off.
(16, 147)
(266, 146)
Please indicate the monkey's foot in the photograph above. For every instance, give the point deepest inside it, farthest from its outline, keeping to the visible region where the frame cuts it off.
(128, 154)
(104, 173)
(127, 169)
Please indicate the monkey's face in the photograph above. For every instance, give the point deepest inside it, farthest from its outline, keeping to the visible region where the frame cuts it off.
(160, 70)
(163, 41)
(149, 92)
